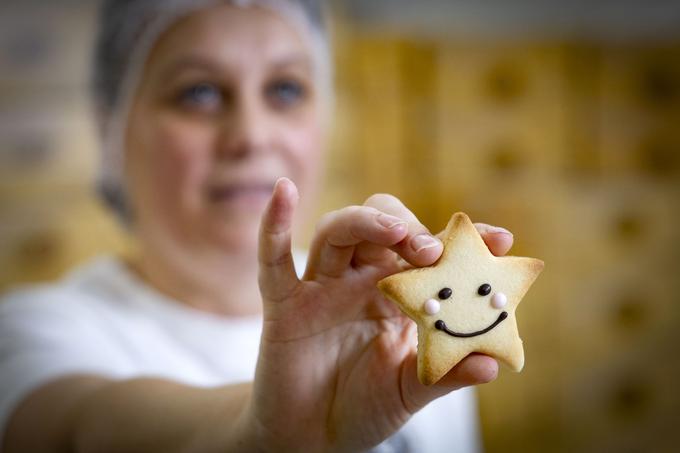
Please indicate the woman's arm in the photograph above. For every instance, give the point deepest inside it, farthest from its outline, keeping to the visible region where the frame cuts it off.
(336, 370)
(93, 414)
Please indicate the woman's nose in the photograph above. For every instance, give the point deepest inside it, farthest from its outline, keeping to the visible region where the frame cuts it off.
(244, 130)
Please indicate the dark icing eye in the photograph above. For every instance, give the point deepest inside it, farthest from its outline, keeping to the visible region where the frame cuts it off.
(445, 293)
(484, 290)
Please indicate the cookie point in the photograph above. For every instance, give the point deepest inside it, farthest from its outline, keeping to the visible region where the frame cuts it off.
(459, 218)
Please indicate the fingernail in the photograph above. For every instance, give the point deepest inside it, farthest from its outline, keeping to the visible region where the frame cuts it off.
(499, 230)
(289, 186)
(389, 221)
(281, 180)
(423, 241)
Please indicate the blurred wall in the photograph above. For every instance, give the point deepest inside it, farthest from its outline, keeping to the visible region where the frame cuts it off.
(49, 219)
(567, 134)
(559, 121)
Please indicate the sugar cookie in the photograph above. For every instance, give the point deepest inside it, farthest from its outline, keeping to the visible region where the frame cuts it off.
(465, 302)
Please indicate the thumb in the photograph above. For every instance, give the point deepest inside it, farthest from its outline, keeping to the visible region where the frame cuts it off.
(277, 277)
(472, 370)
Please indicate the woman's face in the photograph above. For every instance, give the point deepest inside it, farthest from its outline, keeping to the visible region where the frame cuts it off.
(228, 102)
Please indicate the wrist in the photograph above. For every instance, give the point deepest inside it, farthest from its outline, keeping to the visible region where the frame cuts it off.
(245, 434)
(230, 424)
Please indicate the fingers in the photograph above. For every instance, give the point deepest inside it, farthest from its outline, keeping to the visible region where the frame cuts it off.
(499, 240)
(473, 370)
(419, 247)
(339, 232)
(277, 275)
(372, 233)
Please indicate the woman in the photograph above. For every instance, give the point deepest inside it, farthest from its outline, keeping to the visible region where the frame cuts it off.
(213, 116)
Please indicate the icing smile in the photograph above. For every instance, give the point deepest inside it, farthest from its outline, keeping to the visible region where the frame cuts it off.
(441, 325)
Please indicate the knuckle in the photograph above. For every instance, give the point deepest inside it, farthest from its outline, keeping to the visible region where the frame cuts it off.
(271, 229)
(351, 212)
(343, 216)
(325, 220)
(379, 199)
(285, 258)
(278, 293)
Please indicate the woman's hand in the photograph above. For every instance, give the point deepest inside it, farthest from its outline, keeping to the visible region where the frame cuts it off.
(337, 364)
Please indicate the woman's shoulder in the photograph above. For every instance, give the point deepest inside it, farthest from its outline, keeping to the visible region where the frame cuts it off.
(76, 291)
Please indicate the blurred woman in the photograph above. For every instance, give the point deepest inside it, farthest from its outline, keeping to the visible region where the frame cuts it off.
(213, 116)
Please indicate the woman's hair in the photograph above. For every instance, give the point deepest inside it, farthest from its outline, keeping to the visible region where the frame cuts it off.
(127, 31)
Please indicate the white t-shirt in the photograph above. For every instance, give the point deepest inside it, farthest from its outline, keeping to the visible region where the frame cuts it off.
(103, 320)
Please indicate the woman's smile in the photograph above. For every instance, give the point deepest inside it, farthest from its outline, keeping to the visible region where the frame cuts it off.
(251, 195)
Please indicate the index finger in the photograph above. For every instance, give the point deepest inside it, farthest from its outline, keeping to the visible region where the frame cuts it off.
(419, 247)
(277, 277)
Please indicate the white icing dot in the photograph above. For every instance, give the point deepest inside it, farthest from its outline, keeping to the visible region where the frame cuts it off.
(432, 307)
(499, 300)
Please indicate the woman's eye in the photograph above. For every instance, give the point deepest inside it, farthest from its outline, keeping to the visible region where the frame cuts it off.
(202, 96)
(286, 93)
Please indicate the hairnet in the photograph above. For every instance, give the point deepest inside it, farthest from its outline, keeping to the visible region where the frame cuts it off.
(128, 30)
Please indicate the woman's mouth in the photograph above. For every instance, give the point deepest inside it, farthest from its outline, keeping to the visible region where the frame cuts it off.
(246, 195)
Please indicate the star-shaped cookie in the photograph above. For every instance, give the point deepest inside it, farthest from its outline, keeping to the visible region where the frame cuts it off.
(465, 302)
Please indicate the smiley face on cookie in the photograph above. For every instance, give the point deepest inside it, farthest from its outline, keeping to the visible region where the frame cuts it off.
(498, 300)
(465, 302)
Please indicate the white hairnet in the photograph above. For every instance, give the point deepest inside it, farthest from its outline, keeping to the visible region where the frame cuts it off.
(128, 30)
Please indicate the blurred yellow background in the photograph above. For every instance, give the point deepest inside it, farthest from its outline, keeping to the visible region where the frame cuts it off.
(571, 141)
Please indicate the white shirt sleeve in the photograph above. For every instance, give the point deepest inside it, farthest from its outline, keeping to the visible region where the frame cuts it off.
(45, 335)
(449, 423)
